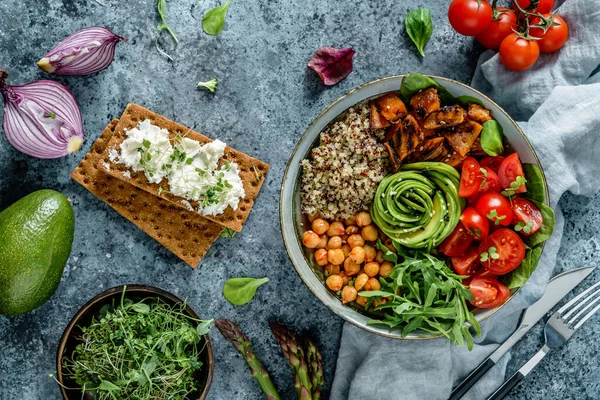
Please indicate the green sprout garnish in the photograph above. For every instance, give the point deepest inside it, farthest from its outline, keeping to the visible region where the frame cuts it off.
(209, 85)
(525, 227)
(514, 186)
(490, 254)
(493, 215)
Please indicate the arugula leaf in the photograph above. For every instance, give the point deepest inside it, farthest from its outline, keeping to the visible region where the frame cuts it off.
(545, 231)
(536, 190)
(415, 82)
(464, 101)
(214, 19)
(419, 27)
(491, 138)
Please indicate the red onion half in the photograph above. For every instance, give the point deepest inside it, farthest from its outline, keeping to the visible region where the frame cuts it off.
(85, 52)
(41, 119)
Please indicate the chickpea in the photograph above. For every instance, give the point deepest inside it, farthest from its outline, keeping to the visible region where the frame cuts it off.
(334, 242)
(350, 267)
(347, 250)
(356, 240)
(369, 233)
(379, 257)
(361, 300)
(331, 269)
(371, 269)
(349, 294)
(372, 284)
(344, 238)
(363, 218)
(351, 230)
(358, 254)
(382, 301)
(335, 256)
(310, 239)
(370, 253)
(360, 281)
(335, 282)
(350, 221)
(386, 269)
(323, 241)
(320, 226)
(321, 257)
(311, 218)
(336, 229)
(345, 277)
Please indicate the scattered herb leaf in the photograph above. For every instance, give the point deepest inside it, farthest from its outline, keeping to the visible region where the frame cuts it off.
(228, 233)
(419, 27)
(239, 291)
(332, 65)
(214, 19)
(209, 85)
(162, 25)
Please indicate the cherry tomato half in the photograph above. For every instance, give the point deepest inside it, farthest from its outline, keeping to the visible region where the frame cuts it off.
(554, 38)
(476, 224)
(508, 172)
(544, 6)
(470, 17)
(467, 263)
(502, 251)
(503, 24)
(518, 54)
(488, 292)
(471, 177)
(496, 208)
(491, 183)
(457, 243)
(528, 215)
(492, 162)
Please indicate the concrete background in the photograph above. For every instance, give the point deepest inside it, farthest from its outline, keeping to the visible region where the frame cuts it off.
(265, 100)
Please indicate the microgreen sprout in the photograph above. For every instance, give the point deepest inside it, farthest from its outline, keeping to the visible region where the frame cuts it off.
(162, 25)
(525, 227)
(209, 85)
(484, 175)
(490, 254)
(493, 215)
(514, 186)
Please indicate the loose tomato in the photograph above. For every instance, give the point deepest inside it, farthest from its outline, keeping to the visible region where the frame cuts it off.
(527, 217)
(488, 292)
(504, 22)
(467, 263)
(509, 171)
(496, 208)
(502, 251)
(476, 224)
(458, 241)
(471, 177)
(470, 17)
(554, 38)
(492, 162)
(544, 6)
(518, 54)
(491, 183)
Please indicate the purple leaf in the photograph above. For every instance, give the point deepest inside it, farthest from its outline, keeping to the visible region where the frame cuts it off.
(332, 65)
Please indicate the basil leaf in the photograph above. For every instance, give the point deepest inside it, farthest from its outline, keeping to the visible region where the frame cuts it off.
(239, 291)
(465, 100)
(536, 190)
(204, 327)
(419, 27)
(545, 231)
(415, 82)
(214, 20)
(491, 138)
(518, 277)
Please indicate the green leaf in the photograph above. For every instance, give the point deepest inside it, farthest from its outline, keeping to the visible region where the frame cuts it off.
(214, 19)
(491, 138)
(204, 327)
(519, 276)
(415, 82)
(536, 190)
(141, 308)
(419, 27)
(545, 231)
(464, 101)
(239, 291)
(108, 386)
(387, 254)
(228, 233)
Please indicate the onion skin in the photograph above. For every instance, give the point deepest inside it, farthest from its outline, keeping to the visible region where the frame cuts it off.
(85, 52)
(41, 119)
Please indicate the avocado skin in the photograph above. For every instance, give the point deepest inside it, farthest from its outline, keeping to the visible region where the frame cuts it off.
(36, 235)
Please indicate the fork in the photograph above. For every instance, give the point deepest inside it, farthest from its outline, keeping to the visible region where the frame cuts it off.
(559, 328)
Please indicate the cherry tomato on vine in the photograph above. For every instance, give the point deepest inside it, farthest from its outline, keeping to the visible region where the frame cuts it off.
(554, 38)
(544, 6)
(458, 241)
(509, 171)
(517, 53)
(476, 224)
(470, 17)
(488, 292)
(504, 22)
(527, 217)
(471, 177)
(492, 162)
(496, 208)
(502, 251)
(467, 263)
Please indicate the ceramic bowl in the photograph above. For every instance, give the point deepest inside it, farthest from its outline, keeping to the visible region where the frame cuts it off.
(292, 219)
(136, 293)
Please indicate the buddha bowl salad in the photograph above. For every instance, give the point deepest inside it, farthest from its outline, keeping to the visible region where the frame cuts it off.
(418, 211)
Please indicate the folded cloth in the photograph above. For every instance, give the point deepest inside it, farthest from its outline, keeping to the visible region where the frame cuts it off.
(558, 99)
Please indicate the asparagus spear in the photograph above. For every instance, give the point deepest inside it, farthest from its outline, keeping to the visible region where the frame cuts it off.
(315, 367)
(240, 341)
(294, 353)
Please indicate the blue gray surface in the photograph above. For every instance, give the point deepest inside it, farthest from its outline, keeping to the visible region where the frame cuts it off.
(265, 100)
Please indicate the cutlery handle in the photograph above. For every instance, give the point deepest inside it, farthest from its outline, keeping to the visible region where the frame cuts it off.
(471, 380)
(507, 386)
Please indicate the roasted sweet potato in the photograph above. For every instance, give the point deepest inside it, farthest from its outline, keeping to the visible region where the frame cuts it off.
(478, 113)
(477, 150)
(401, 143)
(394, 161)
(425, 102)
(462, 137)
(391, 131)
(376, 121)
(445, 117)
(391, 107)
(410, 128)
(421, 121)
(428, 150)
(453, 159)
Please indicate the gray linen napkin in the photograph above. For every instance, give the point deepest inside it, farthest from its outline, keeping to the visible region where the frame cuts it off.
(559, 98)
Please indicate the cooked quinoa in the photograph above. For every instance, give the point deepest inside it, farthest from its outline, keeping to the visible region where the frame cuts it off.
(342, 175)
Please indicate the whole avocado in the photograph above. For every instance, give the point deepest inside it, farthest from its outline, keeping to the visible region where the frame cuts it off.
(36, 235)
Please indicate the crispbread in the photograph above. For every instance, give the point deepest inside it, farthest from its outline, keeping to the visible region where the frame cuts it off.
(187, 234)
(252, 171)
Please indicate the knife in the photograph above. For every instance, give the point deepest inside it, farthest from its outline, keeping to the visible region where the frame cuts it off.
(557, 288)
